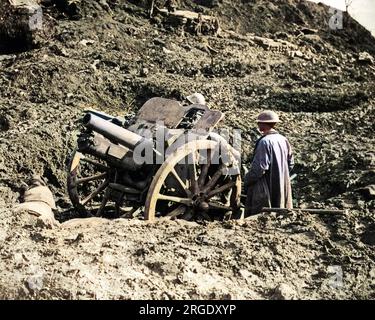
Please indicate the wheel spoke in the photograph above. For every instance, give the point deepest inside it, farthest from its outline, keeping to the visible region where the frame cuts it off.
(92, 178)
(185, 201)
(96, 164)
(178, 178)
(117, 209)
(193, 174)
(177, 212)
(204, 170)
(221, 189)
(94, 193)
(102, 206)
(215, 178)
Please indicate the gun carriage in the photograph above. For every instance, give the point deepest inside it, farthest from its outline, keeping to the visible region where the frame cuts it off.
(164, 161)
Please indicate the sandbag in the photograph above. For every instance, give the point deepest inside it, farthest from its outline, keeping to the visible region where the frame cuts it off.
(38, 201)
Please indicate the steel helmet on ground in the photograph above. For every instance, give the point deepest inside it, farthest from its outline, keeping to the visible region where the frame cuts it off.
(268, 116)
(196, 98)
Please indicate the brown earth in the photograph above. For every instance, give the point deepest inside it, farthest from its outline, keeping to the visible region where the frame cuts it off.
(112, 57)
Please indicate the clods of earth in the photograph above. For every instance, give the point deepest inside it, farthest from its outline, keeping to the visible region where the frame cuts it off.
(109, 55)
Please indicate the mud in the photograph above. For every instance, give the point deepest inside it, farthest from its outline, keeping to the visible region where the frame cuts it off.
(113, 58)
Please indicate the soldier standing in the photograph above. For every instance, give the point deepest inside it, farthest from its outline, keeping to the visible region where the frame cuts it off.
(268, 183)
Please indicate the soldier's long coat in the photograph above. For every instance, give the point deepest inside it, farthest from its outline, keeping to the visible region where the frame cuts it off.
(268, 180)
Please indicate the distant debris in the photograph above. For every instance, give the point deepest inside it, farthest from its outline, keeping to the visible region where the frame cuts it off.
(72, 8)
(22, 25)
(273, 45)
(171, 5)
(309, 31)
(365, 58)
(299, 54)
(368, 192)
(191, 22)
(86, 42)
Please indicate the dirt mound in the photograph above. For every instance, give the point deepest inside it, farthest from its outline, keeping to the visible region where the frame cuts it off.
(122, 259)
(110, 56)
(284, 18)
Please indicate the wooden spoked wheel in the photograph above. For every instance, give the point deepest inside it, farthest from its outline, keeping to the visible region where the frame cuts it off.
(88, 179)
(195, 181)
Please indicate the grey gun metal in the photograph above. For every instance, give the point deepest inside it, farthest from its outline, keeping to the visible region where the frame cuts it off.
(120, 168)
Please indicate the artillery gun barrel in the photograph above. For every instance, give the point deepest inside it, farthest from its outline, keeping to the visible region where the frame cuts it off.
(100, 114)
(116, 133)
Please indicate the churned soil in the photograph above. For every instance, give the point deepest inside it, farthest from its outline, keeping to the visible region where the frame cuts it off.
(112, 57)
